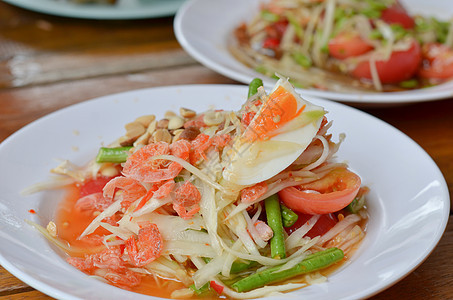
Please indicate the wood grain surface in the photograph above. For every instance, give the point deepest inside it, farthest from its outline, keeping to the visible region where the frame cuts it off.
(48, 63)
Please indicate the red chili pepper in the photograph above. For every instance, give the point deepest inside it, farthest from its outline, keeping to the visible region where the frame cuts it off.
(271, 43)
(216, 287)
(247, 117)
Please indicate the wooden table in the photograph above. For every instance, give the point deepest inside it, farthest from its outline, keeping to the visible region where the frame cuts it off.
(48, 62)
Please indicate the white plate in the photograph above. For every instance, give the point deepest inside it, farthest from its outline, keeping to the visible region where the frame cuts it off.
(125, 9)
(203, 29)
(408, 204)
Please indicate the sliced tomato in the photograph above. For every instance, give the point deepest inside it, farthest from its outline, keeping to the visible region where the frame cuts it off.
(333, 192)
(277, 29)
(438, 61)
(93, 185)
(324, 224)
(348, 44)
(401, 65)
(271, 43)
(396, 14)
(275, 33)
(216, 287)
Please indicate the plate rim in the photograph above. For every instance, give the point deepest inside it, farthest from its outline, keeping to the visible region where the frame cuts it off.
(69, 10)
(63, 295)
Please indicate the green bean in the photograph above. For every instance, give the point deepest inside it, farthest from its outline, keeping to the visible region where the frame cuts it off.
(398, 31)
(253, 86)
(441, 29)
(408, 84)
(296, 25)
(288, 216)
(179, 179)
(237, 266)
(113, 155)
(313, 262)
(302, 60)
(357, 204)
(371, 13)
(375, 34)
(274, 220)
(269, 16)
(376, 5)
(205, 288)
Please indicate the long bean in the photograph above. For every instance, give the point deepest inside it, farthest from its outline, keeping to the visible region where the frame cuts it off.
(253, 86)
(313, 262)
(113, 155)
(237, 266)
(288, 216)
(274, 220)
(205, 288)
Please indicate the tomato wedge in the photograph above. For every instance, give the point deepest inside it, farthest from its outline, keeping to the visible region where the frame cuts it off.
(324, 224)
(396, 14)
(93, 185)
(438, 61)
(335, 191)
(348, 44)
(401, 65)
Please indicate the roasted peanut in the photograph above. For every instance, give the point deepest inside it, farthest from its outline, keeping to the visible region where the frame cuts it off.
(176, 133)
(134, 129)
(175, 123)
(163, 123)
(190, 133)
(187, 113)
(143, 139)
(162, 135)
(145, 120)
(152, 127)
(126, 141)
(109, 171)
(169, 113)
(52, 229)
(213, 118)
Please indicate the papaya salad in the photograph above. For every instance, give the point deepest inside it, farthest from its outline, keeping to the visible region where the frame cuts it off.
(230, 204)
(347, 45)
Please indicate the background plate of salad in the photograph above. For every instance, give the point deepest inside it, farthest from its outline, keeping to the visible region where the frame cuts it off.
(359, 52)
(102, 9)
(408, 204)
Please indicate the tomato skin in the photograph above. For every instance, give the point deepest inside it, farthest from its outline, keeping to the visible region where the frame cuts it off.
(336, 190)
(396, 14)
(93, 185)
(324, 224)
(277, 29)
(346, 45)
(271, 43)
(438, 61)
(216, 287)
(401, 65)
(275, 33)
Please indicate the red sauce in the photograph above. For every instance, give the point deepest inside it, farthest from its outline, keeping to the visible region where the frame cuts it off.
(72, 222)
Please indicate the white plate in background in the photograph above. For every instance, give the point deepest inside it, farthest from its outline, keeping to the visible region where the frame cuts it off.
(204, 29)
(408, 203)
(125, 9)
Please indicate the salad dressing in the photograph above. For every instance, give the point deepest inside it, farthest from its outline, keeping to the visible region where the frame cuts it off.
(71, 223)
